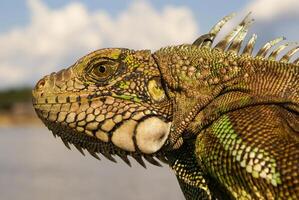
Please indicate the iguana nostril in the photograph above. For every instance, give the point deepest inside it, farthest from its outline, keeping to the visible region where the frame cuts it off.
(40, 84)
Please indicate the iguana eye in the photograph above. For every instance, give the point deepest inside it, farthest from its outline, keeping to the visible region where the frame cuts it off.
(101, 71)
(102, 68)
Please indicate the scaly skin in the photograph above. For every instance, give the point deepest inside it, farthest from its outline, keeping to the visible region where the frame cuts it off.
(226, 122)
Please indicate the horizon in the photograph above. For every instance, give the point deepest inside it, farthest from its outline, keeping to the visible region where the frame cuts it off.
(42, 36)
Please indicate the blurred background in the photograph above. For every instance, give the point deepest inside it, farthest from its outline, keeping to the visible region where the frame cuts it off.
(38, 37)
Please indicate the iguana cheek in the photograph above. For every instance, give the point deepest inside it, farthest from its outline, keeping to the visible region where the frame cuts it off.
(151, 134)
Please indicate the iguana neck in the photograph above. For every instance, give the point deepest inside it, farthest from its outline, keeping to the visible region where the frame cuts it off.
(258, 82)
(228, 82)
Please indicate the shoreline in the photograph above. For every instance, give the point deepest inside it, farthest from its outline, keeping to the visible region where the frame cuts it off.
(13, 120)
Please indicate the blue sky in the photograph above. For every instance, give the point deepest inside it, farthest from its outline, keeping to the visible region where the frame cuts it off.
(16, 12)
(41, 36)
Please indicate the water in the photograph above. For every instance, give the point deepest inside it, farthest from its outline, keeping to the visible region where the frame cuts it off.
(35, 165)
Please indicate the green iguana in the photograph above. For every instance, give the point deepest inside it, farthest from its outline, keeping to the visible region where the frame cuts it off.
(225, 121)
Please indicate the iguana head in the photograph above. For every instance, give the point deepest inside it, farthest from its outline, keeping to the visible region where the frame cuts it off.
(111, 101)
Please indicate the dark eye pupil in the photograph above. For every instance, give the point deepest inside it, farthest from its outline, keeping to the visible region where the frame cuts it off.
(102, 68)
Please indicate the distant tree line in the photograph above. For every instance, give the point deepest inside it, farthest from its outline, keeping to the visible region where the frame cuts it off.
(9, 97)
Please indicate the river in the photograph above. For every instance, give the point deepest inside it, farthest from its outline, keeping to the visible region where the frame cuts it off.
(36, 166)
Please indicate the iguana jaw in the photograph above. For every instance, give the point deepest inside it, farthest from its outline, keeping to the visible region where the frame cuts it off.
(95, 146)
(103, 119)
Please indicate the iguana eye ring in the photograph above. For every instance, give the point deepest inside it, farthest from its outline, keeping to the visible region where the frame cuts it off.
(102, 70)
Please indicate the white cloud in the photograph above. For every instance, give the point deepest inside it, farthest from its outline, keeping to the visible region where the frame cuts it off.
(57, 37)
(273, 9)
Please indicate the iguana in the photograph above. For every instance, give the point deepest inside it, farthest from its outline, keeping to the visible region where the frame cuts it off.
(225, 121)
